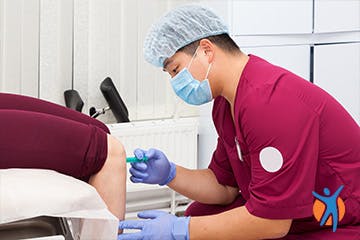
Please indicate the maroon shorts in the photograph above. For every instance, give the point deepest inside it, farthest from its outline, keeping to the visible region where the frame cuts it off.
(40, 134)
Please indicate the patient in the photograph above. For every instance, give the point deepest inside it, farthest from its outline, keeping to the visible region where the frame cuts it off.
(40, 134)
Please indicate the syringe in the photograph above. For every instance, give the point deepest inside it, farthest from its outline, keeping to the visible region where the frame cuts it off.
(135, 159)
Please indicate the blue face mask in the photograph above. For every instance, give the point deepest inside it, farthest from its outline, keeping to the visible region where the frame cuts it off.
(189, 89)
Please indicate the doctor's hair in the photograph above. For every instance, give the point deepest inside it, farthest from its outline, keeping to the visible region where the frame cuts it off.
(223, 41)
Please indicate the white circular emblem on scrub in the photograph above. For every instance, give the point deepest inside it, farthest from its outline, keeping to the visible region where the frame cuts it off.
(271, 159)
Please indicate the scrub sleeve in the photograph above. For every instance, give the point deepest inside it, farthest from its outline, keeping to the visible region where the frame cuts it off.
(40, 134)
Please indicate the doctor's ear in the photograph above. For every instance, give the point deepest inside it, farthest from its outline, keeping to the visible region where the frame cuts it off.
(207, 47)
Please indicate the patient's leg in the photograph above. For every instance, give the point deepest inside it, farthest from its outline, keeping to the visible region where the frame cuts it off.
(110, 181)
(84, 151)
(19, 102)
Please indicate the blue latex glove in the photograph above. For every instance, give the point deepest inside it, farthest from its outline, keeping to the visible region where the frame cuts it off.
(161, 226)
(156, 170)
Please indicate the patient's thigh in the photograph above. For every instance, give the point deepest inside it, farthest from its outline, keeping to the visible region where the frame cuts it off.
(19, 102)
(38, 140)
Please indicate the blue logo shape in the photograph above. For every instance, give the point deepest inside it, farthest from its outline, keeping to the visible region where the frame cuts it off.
(331, 205)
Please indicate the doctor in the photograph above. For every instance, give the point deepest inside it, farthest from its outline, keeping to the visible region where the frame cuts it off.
(279, 139)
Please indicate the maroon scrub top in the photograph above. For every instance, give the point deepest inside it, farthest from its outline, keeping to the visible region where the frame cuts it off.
(289, 138)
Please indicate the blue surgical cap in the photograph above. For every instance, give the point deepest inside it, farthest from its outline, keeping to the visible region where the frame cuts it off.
(178, 28)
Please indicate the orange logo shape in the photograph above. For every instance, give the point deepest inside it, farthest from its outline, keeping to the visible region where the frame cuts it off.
(329, 209)
(319, 210)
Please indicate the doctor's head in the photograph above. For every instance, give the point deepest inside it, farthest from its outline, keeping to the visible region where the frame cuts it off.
(190, 43)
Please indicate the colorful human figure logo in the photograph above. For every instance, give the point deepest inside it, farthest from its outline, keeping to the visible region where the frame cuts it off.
(329, 210)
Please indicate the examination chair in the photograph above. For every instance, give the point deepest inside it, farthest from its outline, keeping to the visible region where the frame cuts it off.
(112, 97)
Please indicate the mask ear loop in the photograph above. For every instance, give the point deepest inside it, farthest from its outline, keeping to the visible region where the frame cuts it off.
(208, 70)
(192, 59)
(206, 77)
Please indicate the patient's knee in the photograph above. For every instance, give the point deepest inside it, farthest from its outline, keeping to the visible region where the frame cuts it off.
(116, 153)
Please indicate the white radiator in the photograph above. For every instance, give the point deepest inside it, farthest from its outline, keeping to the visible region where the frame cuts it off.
(177, 138)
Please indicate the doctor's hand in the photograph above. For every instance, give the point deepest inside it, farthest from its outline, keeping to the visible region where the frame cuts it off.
(156, 170)
(158, 226)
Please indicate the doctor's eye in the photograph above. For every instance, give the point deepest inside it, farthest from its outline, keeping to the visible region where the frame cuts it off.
(175, 70)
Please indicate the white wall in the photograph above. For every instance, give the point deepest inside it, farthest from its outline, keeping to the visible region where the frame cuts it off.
(55, 49)
(337, 70)
(49, 46)
(19, 46)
